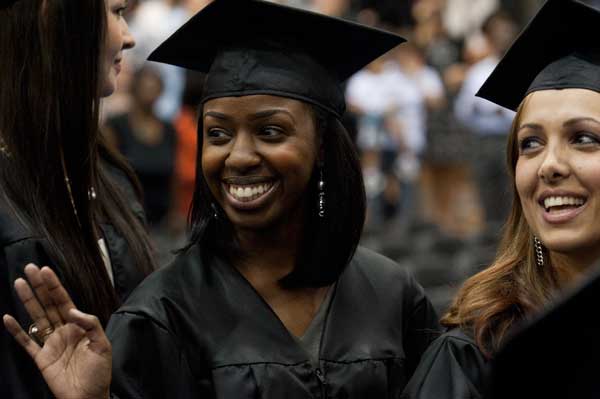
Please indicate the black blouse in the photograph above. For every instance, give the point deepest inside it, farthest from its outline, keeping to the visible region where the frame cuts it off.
(194, 330)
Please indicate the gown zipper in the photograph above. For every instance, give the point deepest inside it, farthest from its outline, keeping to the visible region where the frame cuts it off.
(322, 383)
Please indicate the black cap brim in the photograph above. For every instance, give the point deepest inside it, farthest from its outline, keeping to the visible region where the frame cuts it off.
(559, 29)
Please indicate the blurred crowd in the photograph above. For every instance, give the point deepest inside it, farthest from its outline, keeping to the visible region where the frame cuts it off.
(432, 152)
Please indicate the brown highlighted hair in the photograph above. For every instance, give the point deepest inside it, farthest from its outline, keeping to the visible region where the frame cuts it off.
(513, 287)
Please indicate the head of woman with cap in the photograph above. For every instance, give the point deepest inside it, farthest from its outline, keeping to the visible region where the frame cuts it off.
(550, 76)
(266, 299)
(276, 168)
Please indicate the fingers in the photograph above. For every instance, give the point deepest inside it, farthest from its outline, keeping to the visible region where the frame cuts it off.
(93, 330)
(13, 327)
(57, 293)
(31, 304)
(38, 284)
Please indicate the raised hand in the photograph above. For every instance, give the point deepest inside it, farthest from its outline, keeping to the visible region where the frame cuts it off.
(72, 352)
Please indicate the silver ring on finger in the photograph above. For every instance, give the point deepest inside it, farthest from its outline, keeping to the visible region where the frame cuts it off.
(38, 335)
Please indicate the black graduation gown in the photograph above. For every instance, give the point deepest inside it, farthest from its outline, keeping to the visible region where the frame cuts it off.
(19, 377)
(556, 353)
(201, 331)
(453, 367)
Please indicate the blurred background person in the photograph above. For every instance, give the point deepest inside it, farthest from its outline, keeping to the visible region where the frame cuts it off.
(147, 142)
(488, 122)
(186, 128)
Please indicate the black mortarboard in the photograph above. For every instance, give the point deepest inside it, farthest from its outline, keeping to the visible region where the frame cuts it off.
(557, 355)
(560, 48)
(256, 47)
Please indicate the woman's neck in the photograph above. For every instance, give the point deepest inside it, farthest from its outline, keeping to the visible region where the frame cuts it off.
(572, 266)
(270, 253)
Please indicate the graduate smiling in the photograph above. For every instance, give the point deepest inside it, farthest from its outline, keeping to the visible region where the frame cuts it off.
(273, 298)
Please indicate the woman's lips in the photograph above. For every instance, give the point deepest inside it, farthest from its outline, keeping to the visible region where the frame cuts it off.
(249, 196)
(565, 215)
(117, 66)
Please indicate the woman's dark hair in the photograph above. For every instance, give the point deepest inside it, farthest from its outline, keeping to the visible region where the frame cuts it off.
(328, 243)
(51, 53)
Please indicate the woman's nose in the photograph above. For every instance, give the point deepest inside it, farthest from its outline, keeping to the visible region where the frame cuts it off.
(243, 155)
(555, 165)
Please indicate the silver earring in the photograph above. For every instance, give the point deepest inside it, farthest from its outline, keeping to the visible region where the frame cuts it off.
(321, 194)
(215, 211)
(539, 251)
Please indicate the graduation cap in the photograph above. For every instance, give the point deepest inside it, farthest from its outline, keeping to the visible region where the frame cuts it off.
(559, 49)
(557, 355)
(256, 47)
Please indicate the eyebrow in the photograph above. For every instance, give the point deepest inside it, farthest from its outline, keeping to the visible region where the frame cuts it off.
(271, 112)
(574, 121)
(217, 115)
(532, 126)
(255, 116)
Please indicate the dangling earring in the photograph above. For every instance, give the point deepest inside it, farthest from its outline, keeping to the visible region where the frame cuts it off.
(215, 211)
(321, 194)
(539, 251)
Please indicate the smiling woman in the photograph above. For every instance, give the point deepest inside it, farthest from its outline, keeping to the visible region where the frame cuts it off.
(272, 298)
(557, 173)
(552, 237)
(118, 40)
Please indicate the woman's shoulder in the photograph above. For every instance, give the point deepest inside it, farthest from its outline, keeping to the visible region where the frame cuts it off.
(179, 282)
(452, 367)
(382, 270)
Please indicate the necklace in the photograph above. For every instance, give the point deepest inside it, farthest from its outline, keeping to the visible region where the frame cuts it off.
(91, 190)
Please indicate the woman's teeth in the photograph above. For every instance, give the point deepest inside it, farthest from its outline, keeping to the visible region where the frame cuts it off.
(554, 202)
(248, 192)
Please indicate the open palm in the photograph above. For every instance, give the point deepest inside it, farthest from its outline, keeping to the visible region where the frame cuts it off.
(74, 356)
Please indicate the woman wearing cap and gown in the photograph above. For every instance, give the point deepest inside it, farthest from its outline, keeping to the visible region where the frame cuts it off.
(550, 76)
(272, 298)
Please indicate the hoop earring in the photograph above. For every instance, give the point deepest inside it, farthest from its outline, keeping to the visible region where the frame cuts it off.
(539, 251)
(321, 194)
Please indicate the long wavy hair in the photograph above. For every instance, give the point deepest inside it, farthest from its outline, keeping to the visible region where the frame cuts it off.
(513, 287)
(51, 53)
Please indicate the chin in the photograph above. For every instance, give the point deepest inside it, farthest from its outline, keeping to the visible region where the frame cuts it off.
(107, 90)
(570, 243)
(108, 87)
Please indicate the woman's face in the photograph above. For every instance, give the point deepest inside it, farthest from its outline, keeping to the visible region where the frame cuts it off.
(258, 155)
(558, 169)
(117, 40)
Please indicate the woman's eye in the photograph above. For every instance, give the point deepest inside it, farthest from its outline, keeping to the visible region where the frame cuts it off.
(585, 138)
(271, 131)
(529, 144)
(217, 134)
(120, 12)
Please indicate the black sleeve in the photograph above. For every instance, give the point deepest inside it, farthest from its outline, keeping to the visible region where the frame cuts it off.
(19, 376)
(452, 368)
(147, 361)
(422, 326)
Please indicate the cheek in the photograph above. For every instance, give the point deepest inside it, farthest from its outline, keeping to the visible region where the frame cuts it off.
(114, 37)
(211, 163)
(295, 164)
(588, 172)
(526, 178)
